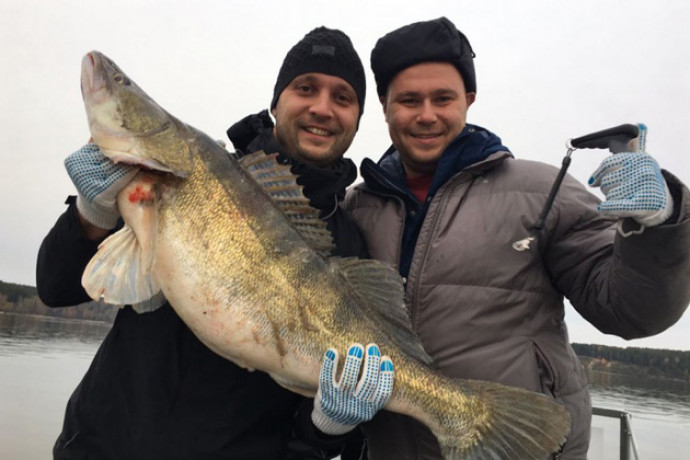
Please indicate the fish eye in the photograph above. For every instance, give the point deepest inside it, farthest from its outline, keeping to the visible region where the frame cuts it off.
(119, 78)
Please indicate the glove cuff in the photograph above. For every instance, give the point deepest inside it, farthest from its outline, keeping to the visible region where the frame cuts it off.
(660, 216)
(96, 215)
(326, 424)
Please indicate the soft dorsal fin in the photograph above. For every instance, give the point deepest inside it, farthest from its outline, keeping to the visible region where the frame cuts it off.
(379, 285)
(281, 185)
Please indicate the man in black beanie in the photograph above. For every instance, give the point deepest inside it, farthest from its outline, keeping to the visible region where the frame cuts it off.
(317, 102)
(452, 208)
(322, 67)
(154, 391)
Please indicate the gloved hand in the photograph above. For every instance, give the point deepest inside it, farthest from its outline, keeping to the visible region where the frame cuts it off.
(98, 181)
(634, 187)
(341, 406)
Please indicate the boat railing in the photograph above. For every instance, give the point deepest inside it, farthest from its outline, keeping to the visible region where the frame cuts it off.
(628, 445)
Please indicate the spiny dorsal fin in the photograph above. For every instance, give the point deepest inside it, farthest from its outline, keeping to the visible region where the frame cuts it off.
(281, 185)
(381, 288)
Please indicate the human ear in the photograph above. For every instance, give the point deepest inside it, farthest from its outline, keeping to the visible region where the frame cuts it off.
(470, 97)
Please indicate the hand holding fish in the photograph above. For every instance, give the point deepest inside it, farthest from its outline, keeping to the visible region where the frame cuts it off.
(98, 181)
(341, 406)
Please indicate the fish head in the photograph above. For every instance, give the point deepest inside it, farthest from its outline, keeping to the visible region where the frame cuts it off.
(127, 124)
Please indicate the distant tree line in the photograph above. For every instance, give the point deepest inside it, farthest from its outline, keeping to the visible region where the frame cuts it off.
(17, 298)
(667, 363)
(15, 292)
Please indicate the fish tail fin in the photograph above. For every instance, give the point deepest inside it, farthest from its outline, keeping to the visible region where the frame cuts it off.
(505, 422)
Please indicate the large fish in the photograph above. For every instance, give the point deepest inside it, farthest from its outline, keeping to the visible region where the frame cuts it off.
(236, 250)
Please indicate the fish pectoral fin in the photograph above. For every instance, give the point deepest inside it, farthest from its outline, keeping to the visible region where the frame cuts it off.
(120, 272)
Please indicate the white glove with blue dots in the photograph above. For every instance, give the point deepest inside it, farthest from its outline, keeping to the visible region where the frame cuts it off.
(340, 406)
(98, 181)
(634, 187)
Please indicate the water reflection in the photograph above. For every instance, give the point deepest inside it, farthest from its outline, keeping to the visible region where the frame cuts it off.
(654, 385)
(43, 359)
(646, 404)
(660, 412)
(26, 334)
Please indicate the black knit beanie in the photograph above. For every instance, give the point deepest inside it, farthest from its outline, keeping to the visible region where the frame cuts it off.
(323, 50)
(429, 41)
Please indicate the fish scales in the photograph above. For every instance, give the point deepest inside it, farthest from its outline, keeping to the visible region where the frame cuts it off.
(250, 278)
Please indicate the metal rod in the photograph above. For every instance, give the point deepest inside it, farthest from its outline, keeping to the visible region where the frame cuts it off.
(627, 438)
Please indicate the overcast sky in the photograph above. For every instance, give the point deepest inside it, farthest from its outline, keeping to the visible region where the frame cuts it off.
(547, 70)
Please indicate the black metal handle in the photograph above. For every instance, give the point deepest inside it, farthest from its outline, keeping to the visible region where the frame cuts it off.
(610, 138)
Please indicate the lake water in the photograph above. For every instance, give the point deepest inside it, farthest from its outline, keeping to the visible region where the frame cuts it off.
(42, 361)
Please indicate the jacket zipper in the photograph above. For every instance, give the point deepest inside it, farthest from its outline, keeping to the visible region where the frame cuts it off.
(459, 176)
(425, 248)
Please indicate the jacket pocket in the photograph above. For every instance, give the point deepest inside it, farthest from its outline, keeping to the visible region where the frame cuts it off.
(546, 372)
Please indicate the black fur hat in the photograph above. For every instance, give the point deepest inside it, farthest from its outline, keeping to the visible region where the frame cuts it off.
(429, 41)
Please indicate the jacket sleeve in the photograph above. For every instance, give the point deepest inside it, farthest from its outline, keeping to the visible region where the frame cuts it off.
(633, 286)
(308, 442)
(62, 257)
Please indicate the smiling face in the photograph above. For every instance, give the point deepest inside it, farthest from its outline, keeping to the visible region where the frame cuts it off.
(316, 118)
(425, 108)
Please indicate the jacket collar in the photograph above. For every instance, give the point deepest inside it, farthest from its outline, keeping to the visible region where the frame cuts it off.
(474, 150)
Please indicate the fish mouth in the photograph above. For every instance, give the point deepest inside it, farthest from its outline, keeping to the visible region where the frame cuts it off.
(128, 125)
(92, 80)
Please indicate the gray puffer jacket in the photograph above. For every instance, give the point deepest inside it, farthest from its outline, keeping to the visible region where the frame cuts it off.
(485, 310)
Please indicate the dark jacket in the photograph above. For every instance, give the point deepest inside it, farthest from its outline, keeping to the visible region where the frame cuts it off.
(485, 310)
(154, 391)
(325, 189)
